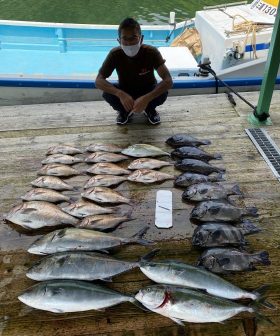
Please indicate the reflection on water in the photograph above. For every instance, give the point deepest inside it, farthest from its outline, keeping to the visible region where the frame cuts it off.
(100, 11)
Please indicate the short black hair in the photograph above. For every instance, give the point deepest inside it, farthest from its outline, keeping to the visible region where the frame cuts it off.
(129, 23)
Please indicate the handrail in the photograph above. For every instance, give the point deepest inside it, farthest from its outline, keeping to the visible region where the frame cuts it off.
(226, 5)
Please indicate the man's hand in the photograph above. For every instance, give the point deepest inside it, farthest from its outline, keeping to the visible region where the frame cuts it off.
(126, 100)
(140, 104)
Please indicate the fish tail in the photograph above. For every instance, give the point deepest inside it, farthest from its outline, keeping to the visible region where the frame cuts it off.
(220, 176)
(218, 156)
(247, 228)
(236, 190)
(220, 170)
(137, 237)
(261, 299)
(149, 256)
(254, 307)
(252, 211)
(261, 257)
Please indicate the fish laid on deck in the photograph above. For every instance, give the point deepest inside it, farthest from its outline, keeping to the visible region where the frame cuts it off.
(145, 163)
(44, 194)
(143, 150)
(105, 157)
(98, 147)
(179, 140)
(197, 166)
(64, 149)
(194, 153)
(51, 182)
(104, 195)
(104, 181)
(84, 208)
(103, 222)
(56, 169)
(188, 179)
(149, 176)
(63, 159)
(107, 168)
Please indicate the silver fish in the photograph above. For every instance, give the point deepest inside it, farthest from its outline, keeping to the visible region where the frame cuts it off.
(56, 169)
(145, 163)
(105, 157)
(63, 159)
(197, 166)
(209, 191)
(148, 176)
(91, 266)
(225, 260)
(83, 208)
(194, 153)
(182, 304)
(143, 150)
(104, 195)
(102, 222)
(104, 181)
(44, 194)
(188, 179)
(73, 239)
(217, 235)
(174, 272)
(38, 214)
(66, 296)
(104, 148)
(63, 149)
(209, 211)
(179, 140)
(107, 168)
(51, 182)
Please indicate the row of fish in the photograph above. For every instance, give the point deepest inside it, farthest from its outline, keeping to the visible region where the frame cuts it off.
(220, 224)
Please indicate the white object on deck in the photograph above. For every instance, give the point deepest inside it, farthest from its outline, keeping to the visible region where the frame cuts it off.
(178, 59)
(163, 217)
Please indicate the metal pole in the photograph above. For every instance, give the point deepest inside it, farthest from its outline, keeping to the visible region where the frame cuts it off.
(261, 114)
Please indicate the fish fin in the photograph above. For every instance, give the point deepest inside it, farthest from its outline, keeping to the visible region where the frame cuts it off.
(29, 210)
(259, 292)
(56, 310)
(252, 211)
(206, 142)
(150, 255)
(109, 279)
(260, 317)
(263, 257)
(137, 237)
(247, 227)
(236, 190)
(178, 321)
(218, 156)
(103, 251)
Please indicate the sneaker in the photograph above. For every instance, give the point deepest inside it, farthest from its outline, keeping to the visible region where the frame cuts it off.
(153, 117)
(123, 117)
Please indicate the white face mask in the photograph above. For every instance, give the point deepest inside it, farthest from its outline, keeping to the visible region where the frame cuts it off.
(131, 50)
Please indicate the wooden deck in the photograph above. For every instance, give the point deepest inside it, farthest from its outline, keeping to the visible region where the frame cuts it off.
(27, 132)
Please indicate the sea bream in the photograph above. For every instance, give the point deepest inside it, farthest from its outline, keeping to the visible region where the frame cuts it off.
(145, 163)
(38, 214)
(104, 181)
(99, 147)
(197, 166)
(143, 150)
(188, 179)
(107, 168)
(185, 305)
(218, 235)
(57, 169)
(63, 159)
(149, 176)
(179, 140)
(84, 208)
(68, 296)
(103, 222)
(226, 260)
(104, 195)
(44, 194)
(73, 239)
(194, 153)
(209, 191)
(91, 266)
(51, 182)
(63, 149)
(173, 272)
(105, 157)
(209, 211)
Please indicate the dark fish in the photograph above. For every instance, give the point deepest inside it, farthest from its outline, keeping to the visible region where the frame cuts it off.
(224, 260)
(187, 179)
(215, 211)
(246, 226)
(179, 140)
(194, 153)
(197, 166)
(209, 191)
(215, 235)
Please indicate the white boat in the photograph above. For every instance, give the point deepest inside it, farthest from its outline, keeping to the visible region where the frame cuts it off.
(54, 62)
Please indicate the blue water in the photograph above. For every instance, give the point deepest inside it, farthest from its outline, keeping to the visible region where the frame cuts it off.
(56, 51)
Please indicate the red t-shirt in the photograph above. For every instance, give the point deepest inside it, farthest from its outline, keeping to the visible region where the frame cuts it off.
(136, 74)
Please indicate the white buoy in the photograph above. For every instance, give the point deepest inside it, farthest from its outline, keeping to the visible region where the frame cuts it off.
(172, 18)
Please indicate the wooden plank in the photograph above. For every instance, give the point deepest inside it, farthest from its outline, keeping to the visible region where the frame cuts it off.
(25, 134)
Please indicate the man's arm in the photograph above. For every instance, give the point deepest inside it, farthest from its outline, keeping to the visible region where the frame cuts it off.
(141, 103)
(104, 85)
